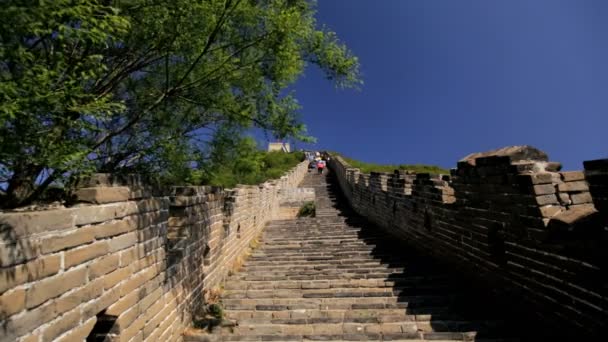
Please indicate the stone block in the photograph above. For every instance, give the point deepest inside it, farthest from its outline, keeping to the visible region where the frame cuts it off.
(11, 302)
(23, 224)
(55, 286)
(546, 199)
(544, 189)
(103, 266)
(81, 332)
(581, 198)
(85, 253)
(570, 176)
(573, 186)
(31, 271)
(100, 195)
(122, 241)
(62, 324)
(71, 239)
(82, 295)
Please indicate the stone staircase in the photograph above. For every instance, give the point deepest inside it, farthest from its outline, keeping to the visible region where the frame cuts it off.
(336, 277)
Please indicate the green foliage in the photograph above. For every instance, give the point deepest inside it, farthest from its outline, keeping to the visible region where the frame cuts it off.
(233, 160)
(307, 210)
(141, 86)
(371, 167)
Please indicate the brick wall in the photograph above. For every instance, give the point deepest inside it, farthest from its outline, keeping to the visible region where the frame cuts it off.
(130, 261)
(508, 218)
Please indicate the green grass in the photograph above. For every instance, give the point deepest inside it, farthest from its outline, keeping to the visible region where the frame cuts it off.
(371, 167)
(307, 210)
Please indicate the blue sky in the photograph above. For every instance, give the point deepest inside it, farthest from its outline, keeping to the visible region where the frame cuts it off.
(447, 78)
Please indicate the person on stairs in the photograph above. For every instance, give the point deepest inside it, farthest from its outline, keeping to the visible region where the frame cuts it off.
(321, 166)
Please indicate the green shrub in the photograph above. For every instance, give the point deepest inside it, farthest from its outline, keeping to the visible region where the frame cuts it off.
(307, 210)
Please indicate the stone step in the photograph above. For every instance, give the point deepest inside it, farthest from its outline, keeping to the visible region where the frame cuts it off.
(346, 316)
(340, 283)
(330, 260)
(335, 292)
(320, 275)
(327, 303)
(311, 266)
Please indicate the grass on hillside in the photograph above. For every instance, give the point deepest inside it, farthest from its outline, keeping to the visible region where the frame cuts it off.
(371, 167)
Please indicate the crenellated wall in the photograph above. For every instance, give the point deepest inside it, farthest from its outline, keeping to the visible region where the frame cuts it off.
(509, 219)
(131, 261)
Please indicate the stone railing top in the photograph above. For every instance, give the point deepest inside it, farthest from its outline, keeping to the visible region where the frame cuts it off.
(514, 153)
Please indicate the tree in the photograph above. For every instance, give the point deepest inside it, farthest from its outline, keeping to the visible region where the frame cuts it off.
(134, 85)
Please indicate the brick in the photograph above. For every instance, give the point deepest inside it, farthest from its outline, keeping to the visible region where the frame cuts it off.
(53, 287)
(72, 239)
(81, 332)
(546, 199)
(113, 278)
(536, 178)
(103, 266)
(99, 195)
(23, 324)
(137, 280)
(123, 304)
(101, 303)
(122, 241)
(584, 197)
(17, 252)
(11, 303)
(113, 228)
(573, 186)
(33, 270)
(82, 295)
(82, 254)
(569, 176)
(544, 189)
(550, 210)
(62, 324)
(23, 224)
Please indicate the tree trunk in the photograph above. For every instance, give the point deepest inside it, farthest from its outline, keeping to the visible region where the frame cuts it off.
(22, 186)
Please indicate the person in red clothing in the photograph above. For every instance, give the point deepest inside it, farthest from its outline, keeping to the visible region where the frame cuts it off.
(321, 166)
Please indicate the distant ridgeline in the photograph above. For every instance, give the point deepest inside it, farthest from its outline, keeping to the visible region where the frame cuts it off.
(510, 218)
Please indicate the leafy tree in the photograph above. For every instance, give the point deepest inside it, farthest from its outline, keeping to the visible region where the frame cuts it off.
(233, 159)
(134, 85)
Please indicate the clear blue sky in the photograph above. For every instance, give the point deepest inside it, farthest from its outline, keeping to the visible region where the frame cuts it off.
(447, 78)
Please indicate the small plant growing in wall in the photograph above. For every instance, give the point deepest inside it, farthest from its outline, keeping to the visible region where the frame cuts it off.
(307, 210)
(211, 313)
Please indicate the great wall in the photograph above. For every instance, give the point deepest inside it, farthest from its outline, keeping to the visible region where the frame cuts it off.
(506, 248)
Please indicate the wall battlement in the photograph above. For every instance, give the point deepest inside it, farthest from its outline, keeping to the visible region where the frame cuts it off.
(131, 261)
(508, 217)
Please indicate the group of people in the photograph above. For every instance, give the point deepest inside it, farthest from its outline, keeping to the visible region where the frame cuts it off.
(317, 161)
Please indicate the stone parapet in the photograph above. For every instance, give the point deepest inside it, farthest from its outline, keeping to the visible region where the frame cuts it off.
(130, 260)
(509, 218)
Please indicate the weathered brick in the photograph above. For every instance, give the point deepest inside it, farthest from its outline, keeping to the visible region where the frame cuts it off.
(23, 224)
(101, 303)
(23, 324)
(122, 241)
(544, 189)
(113, 278)
(54, 286)
(71, 239)
(546, 199)
(19, 251)
(11, 303)
(584, 197)
(103, 265)
(573, 186)
(82, 295)
(33, 270)
(100, 195)
(569, 176)
(81, 332)
(82, 254)
(62, 324)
